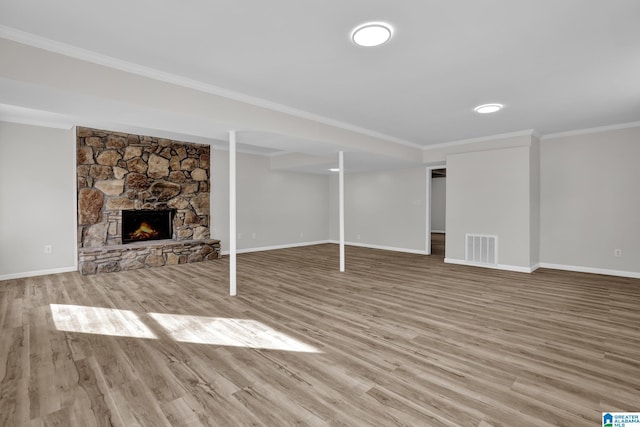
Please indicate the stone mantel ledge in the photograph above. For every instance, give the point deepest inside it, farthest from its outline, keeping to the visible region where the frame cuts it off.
(132, 256)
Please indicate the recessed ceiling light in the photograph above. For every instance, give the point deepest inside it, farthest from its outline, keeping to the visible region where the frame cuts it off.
(488, 108)
(335, 169)
(371, 34)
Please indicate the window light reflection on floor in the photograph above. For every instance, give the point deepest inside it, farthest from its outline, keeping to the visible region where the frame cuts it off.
(228, 332)
(99, 320)
(220, 331)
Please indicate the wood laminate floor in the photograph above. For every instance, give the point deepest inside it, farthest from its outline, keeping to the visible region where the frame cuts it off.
(437, 244)
(397, 340)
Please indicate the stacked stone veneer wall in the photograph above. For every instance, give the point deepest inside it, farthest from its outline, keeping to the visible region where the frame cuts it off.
(117, 171)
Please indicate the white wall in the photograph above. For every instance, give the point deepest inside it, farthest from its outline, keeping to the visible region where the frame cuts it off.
(37, 200)
(590, 201)
(488, 192)
(438, 204)
(274, 208)
(383, 209)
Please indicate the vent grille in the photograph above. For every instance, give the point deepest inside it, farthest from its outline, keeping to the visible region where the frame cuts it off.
(482, 249)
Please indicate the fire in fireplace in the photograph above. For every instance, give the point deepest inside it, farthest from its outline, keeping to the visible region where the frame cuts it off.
(140, 225)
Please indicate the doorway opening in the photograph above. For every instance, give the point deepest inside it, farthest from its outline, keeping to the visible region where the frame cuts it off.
(436, 223)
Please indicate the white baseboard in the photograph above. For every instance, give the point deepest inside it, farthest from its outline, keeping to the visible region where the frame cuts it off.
(593, 270)
(384, 248)
(271, 248)
(37, 273)
(505, 267)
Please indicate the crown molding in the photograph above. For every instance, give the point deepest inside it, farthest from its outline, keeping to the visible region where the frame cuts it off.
(130, 67)
(28, 116)
(529, 132)
(591, 130)
(53, 124)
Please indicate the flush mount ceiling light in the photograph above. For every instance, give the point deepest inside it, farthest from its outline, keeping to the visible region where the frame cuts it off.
(334, 170)
(371, 34)
(488, 108)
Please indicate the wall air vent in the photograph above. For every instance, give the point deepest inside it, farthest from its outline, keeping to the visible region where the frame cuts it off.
(481, 249)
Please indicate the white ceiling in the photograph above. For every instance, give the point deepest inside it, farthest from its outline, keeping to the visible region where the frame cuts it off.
(556, 65)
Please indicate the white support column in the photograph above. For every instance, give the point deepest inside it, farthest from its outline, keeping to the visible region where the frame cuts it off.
(232, 213)
(341, 204)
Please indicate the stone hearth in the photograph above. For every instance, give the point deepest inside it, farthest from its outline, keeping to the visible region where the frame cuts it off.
(108, 259)
(119, 171)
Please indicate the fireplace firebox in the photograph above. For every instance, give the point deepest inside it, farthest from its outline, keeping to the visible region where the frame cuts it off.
(141, 225)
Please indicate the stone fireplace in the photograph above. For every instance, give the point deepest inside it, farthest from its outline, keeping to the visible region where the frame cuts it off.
(142, 202)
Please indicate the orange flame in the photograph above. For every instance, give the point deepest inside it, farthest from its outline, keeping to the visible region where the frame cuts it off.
(145, 231)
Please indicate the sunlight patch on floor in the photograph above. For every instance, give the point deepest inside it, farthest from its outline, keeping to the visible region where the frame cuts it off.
(99, 320)
(221, 331)
(228, 332)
